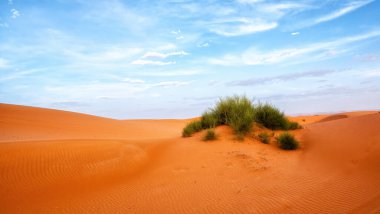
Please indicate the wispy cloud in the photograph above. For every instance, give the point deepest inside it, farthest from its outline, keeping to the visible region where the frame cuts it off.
(295, 33)
(284, 77)
(15, 13)
(164, 55)
(351, 6)
(316, 51)
(240, 26)
(151, 62)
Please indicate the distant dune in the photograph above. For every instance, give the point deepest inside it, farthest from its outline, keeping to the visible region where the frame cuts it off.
(63, 162)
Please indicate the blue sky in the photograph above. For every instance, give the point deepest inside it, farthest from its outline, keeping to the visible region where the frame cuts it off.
(175, 58)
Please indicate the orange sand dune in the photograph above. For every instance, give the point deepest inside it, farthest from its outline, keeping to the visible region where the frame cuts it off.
(62, 162)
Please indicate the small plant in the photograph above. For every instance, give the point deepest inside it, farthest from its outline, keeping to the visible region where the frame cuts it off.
(264, 137)
(293, 125)
(191, 128)
(210, 135)
(287, 141)
(237, 112)
(270, 117)
(209, 120)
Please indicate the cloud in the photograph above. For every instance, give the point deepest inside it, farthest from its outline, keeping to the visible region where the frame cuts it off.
(68, 104)
(311, 52)
(170, 84)
(295, 33)
(249, 1)
(284, 77)
(170, 73)
(162, 55)
(240, 26)
(10, 2)
(151, 62)
(15, 13)
(351, 6)
(133, 81)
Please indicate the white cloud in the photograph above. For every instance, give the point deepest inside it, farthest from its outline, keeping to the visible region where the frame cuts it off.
(241, 26)
(162, 55)
(203, 45)
(295, 33)
(151, 62)
(170, 84)
(176, 32)
(170, 73)
(133, 81)
(342, 11)
(249, 1)
(15, 13)
(4, 25)
(316, 51)
(10, 2)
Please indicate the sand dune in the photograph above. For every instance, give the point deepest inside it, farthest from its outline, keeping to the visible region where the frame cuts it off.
(62, 162)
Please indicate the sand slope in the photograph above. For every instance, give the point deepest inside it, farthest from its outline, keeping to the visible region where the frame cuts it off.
(62, 162)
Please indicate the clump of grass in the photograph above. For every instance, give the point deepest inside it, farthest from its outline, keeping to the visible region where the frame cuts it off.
(264, 137)
(287, 141)
(209, 119)
(237, 112)
(191, 128)
(293, 125)
(270, 117)
(210, 135)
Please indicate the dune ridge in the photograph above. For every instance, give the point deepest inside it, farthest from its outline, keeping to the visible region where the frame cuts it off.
(63, 162)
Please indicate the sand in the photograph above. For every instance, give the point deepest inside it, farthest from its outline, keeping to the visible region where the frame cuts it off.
(62, 162)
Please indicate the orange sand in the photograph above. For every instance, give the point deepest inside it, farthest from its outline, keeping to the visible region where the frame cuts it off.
(62, 162)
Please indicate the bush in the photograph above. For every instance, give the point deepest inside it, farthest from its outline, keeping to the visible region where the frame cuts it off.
(287, 141)
(293, 126)
(270, 117)
(191, 128)
(210, 135)
(264, 137)
(237, 112)
(209, 120)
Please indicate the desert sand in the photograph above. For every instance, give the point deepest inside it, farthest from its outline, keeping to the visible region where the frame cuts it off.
(63, 162)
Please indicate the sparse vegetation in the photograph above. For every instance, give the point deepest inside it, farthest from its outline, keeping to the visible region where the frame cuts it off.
(210, 135)
(209, 120)
(191, 128)
(264, 137)
(272, 118)
(287, 141)
(293, 125)
(237, 112)
(240, 114)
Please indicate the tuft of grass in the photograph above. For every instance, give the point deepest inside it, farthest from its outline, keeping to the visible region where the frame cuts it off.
(209, 120)
(293, 125)
(210, 135)
(237, 112)
(264, 137)
(191, 128)
(287, 141)
(270, 117)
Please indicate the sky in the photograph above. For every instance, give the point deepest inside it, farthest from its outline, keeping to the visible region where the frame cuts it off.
(176, 58)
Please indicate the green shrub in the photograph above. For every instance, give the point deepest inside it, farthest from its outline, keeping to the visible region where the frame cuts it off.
(293, 125)
(270, 117)
(264, 137)
(287, 141)
(237, 112)
(210, 135)
(209, 120)
(191, 128)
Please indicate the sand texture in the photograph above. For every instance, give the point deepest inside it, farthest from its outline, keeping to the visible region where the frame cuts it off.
(62, 162)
